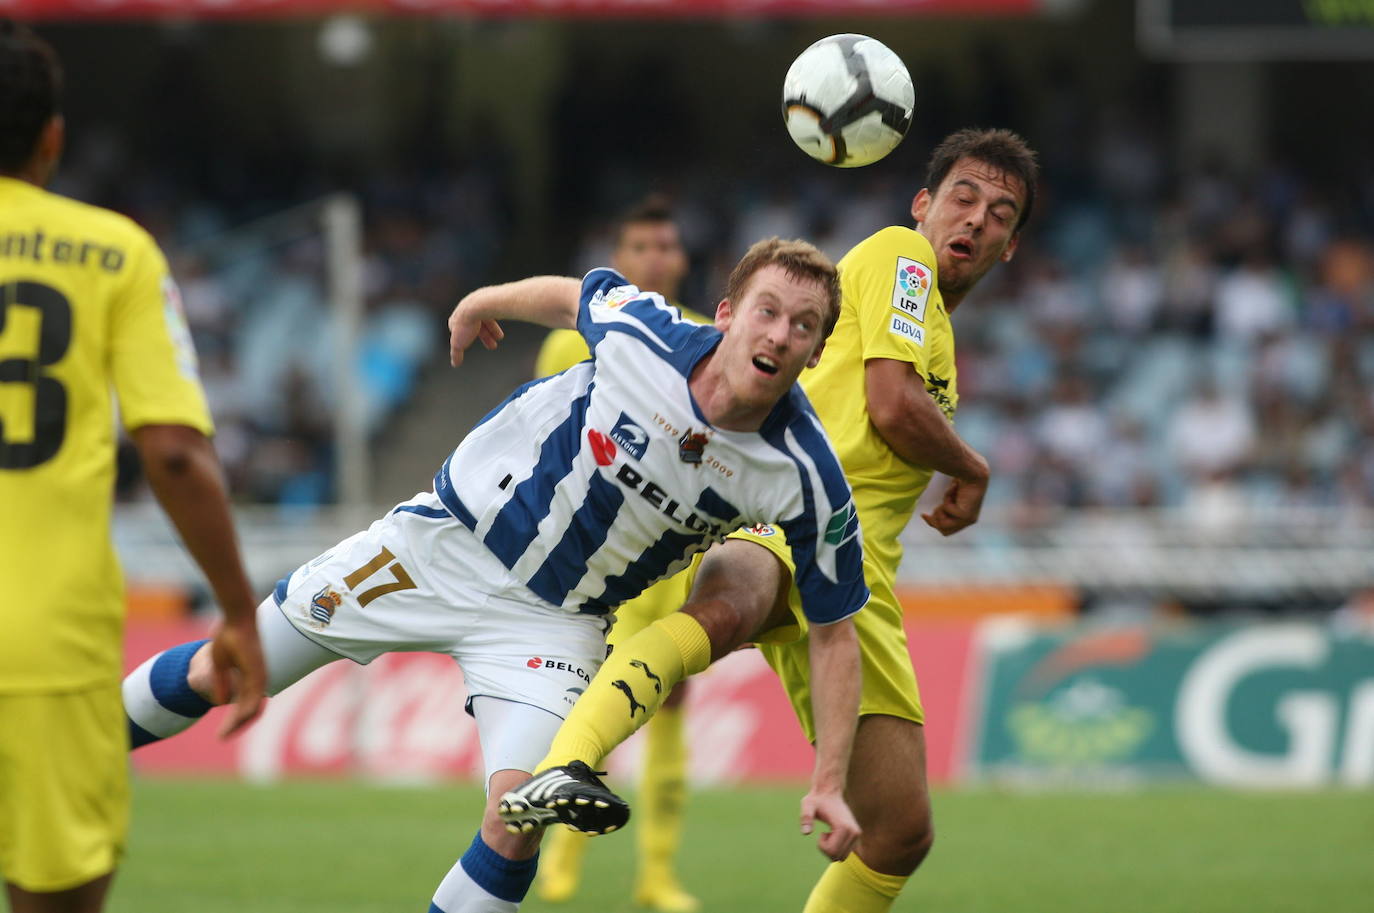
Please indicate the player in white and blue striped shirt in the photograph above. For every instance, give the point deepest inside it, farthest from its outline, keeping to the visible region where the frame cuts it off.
(570, 497)
(592, 484)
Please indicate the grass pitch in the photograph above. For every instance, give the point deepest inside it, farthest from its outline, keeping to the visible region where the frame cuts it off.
(222, 847)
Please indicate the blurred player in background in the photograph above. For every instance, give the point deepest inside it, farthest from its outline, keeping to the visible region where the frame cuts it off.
(886, 392)
(572, 496)
(86, 308)
(649, 253)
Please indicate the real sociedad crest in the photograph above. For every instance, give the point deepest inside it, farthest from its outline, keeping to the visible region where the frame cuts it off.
(323, 605)
(691, 446)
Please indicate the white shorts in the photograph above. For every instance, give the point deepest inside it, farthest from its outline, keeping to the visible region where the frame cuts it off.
(421, 582)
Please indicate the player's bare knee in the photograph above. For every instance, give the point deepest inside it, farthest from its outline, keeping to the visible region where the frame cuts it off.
(725, 626)
(741, 572)
(200, 674)
(918, 844)
(898, 844)
(735, 594)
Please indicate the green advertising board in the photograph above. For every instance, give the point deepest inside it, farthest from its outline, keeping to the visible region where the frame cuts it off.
(1256, 705)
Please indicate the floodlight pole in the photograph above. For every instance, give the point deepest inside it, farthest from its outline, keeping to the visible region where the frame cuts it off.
(342, 219)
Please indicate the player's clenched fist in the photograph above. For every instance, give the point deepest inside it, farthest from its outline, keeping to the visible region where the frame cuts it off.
(239, 673)
(830, 808)
(962, 503)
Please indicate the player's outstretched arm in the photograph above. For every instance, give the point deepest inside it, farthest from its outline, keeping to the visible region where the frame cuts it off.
(836, 678)
(913, 425)
(184, 473)
(550, 301)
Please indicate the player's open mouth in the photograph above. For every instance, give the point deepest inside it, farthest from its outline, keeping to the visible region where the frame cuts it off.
(765, 364)
(961, 249)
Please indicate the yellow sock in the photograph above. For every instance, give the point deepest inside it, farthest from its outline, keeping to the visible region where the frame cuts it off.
(637, 677)
(662, 789)
(560, 865)
(852, 887)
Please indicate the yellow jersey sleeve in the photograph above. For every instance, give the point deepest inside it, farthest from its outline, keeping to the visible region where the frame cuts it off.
(152, 359)
(890, 278)
(564, 348)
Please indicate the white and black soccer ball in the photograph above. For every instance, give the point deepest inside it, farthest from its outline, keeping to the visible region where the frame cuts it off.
(847, 100)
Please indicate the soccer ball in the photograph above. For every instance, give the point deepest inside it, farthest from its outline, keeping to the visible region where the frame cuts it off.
(847, 100)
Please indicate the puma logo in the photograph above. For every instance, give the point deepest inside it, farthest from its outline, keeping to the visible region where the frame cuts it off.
(658, 682)
(634, 704)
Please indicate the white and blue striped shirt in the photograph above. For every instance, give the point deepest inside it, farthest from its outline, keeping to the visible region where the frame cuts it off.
(583, 483)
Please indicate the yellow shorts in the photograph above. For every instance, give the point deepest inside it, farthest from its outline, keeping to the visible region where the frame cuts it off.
(658, 601)
(889, 685)
(64, 787)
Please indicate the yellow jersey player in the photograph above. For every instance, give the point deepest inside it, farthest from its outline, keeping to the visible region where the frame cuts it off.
(885, 391)
(648, 252)
(86, 308)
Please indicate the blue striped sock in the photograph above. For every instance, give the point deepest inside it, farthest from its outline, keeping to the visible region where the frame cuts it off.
(484, 880)
(507, 879)
(138, 736)
(164, 703)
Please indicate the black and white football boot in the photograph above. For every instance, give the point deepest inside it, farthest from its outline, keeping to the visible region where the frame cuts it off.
(572, 794)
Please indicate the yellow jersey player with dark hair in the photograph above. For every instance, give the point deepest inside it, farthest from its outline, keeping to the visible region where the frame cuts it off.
(86, 308)
(648, 252)
(885, 392)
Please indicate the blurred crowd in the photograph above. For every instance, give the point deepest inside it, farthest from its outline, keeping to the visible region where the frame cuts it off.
(256, 290)
(1208, 348)
(1196, 338)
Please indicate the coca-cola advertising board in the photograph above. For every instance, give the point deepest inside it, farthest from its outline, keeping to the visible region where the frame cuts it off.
(402, 719)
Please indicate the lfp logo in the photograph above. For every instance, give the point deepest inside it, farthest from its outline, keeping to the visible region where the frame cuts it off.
(914, 280)
(912, 288)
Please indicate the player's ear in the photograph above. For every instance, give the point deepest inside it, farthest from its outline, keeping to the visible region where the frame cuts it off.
(1010, 250)
(815, 358)
(48, 150)
(920, 205)
(724, 314)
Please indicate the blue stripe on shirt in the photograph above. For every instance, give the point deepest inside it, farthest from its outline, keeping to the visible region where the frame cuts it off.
(801, 530)
(689, 348)
(433, 513)
(651, 565)
(517, 523)
(712, 503)
(813, 440)
(680, 343)
(823, 600)
(566, 563)
(673, 546)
